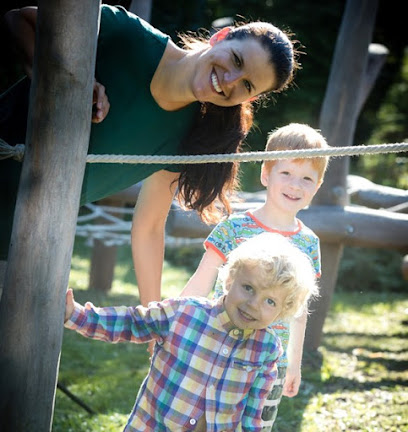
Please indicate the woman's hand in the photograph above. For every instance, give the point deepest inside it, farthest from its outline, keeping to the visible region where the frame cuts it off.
(69, 304)
(100, 103)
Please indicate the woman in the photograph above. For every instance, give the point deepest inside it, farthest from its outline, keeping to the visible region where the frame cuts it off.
(163, 99)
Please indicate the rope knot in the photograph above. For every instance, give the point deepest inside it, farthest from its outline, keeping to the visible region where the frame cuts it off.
(7, 151)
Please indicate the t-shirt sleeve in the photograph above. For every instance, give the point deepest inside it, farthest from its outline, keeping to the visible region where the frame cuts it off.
(316, 258)
(221, 239)
(116, 20)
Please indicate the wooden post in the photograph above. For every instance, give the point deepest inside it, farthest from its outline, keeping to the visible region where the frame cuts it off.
(33, 302)
(338, 120)
(103, 257)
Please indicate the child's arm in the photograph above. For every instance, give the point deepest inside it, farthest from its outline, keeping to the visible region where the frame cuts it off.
(252, 416)
(119, 324)
(294, 353)
(202, 281)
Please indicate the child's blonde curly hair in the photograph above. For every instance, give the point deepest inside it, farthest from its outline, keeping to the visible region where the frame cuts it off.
(279, 264)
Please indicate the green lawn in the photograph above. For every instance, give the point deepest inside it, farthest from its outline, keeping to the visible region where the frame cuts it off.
(357, 381)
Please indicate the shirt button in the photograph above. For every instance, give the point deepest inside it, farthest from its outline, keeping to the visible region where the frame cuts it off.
(248, 368)
(193, 422)
(225, 351)
(236, 332)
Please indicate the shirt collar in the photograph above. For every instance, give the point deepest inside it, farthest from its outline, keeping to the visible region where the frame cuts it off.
(225, 324)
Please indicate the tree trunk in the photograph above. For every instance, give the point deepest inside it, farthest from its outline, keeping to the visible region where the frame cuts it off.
(33, 302)
(338, 120)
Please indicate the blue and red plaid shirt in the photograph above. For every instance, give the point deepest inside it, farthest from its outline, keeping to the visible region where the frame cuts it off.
(202, 364)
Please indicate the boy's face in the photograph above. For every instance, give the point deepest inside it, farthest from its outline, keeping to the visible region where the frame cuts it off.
(250, 304)
(291, 185)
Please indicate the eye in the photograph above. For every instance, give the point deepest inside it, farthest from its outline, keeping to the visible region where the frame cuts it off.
(308, 179)
(237, 60)
(247, 86)
(285, 173)
(271, 302)
(247, 288)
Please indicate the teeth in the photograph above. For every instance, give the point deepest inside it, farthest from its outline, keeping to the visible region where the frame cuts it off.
(215, 83)
(247, 316)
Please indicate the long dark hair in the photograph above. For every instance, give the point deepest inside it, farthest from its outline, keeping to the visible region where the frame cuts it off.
(216, 130)
(221, 130)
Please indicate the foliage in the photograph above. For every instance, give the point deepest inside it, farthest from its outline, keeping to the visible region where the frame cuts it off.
(389, 124)
(363, 270)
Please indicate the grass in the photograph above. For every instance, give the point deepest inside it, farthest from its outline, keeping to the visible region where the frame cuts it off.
(356, 381)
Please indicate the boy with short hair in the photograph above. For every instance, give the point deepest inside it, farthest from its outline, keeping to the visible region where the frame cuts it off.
(290, 185)
(215, 360)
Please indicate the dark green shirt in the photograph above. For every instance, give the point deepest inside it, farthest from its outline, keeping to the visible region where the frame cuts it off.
(129, 51)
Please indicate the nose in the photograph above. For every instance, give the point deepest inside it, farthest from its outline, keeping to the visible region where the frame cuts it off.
(231, 77)
(252, 303)
(295, 183)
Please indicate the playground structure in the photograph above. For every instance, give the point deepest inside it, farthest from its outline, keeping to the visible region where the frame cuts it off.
(32, 305)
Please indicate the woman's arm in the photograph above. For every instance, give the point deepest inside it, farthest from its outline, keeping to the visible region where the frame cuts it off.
(202, 281)
(147, 235)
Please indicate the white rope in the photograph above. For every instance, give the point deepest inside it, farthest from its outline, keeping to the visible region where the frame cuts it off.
(17, 152)
(249, 156)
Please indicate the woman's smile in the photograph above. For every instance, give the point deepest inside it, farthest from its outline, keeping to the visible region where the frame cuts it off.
(215, 83)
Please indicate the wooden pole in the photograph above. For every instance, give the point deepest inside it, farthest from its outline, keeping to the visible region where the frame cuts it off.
(338, 120)
(33, 302)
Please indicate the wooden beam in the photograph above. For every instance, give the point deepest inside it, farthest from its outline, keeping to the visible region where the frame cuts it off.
(366, 193)
(338, 119)
(33, 301)
(350, 225)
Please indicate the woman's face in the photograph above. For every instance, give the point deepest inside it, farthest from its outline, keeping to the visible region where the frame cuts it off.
(233, 71)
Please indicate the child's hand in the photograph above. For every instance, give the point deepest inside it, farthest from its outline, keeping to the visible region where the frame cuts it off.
(69, 304)
(150, 348)
(292, 382)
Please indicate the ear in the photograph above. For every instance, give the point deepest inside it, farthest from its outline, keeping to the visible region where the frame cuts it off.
(220, 35)
(227, 283)
(264, 175)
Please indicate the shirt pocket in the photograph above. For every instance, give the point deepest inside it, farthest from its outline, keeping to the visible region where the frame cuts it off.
(239, 377)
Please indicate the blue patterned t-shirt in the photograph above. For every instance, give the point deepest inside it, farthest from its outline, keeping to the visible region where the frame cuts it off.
(228, 234)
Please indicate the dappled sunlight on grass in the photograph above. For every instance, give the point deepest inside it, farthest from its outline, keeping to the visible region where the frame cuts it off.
(356, 381)
(363, 383)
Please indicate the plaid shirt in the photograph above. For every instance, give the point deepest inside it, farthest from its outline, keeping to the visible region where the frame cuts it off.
(202, 364)
(231, 232)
